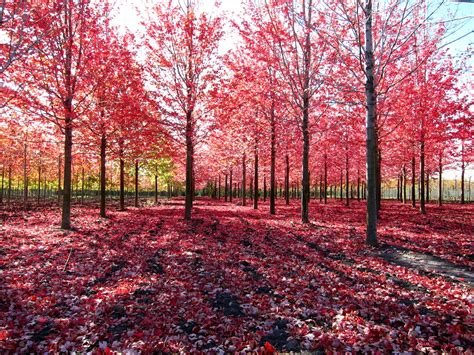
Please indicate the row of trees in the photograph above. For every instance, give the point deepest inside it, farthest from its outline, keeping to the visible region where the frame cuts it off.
(289, 99)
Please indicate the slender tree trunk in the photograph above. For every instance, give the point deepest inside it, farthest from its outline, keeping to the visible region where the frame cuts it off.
(427, 187)
(463, 169)
(264, 188)
(156, 189)
(421, 184)
(273, 160)
(82, 187)
(305, 122)
(321, 188)
(66, 210)
(347, 179)
(25, 178)
(219, 188)
(404, 197)
(371, 125)
(189, 167)
(122, 184)
(230, 186)
(413, 182)
(136, 183)
(103, 182)
(226, 187)
(358, 186)
(440, 183)
(39, 183)
(255, 184)
(244, 180)
(341, 187)
(3, 181)
(325, 179)
(287, 180)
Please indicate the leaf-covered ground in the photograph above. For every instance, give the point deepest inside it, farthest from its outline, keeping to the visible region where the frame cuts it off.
(233, 279)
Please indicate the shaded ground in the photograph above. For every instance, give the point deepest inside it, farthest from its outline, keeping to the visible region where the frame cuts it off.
(233, 279)
(427, 263)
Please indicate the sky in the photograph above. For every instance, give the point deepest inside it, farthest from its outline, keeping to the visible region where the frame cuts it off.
(128, 19)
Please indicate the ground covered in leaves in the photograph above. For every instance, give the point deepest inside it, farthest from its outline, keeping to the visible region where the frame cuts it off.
(234, 279)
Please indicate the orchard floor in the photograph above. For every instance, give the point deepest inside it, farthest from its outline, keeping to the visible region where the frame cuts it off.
(236, 279)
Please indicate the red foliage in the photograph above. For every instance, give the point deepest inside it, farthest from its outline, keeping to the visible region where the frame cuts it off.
(231, 279)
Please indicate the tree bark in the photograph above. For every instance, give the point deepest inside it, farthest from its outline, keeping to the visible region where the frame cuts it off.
(321, 188)
(421, 181)
(347, 179)
(82, 187)
(371, 124)
(244, 178)
(463, 169)
(122, 184)
(3, 181)
(272, 160)
(440, 183)
(188, 206)
(287, 180)
(413, 182)
(39, 183)
(219, 188)
(404, 197)
(255, 183)
(103, 147)
(226, 187)
(136, 183)
(325, 179)
(25, 178)
(156, 189)
(230, 186)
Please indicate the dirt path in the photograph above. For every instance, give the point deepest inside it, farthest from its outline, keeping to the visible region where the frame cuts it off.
(427, 263)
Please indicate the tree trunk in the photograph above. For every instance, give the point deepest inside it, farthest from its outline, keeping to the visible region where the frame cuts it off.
(9, 194)
(188, 206)
(347, 179)
(427, 198)
(358, 186)
(287, 180)
(82, 187)
(39, 183)
(341, 187)
(136, 183)
(463, 170)
(219, 188)
(66, 209)
(122, 184)
(440, 183)
(371, 125)
(3, 181)
(156, 189)
(321, 188)
(264, 188)
(325, 179)
(103, 147)
(255, 183)
(230, 186)
(226, 187)
(404, 197)
(244, 180)
(413, 181)
(25, 178)
(421, 181)
(273, 160)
